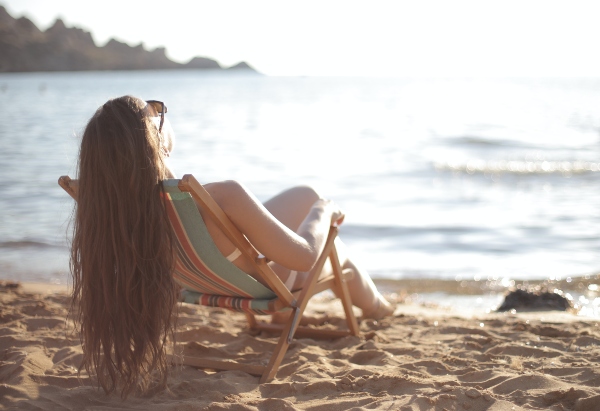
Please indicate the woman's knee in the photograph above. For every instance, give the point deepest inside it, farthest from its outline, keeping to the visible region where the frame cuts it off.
(291, 206)
(305, 192)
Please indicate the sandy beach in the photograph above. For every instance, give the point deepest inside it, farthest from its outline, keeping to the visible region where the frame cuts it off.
(421, 359)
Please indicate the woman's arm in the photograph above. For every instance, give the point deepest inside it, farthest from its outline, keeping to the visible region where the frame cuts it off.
(295, 250)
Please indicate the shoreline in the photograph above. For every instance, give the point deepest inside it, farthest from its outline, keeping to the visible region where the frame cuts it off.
(466, 297)
(464, 286)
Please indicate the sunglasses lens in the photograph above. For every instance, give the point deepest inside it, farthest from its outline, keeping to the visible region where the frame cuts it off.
(157, 106)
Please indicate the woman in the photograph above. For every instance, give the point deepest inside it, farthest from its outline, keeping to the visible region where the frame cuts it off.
(122, 250)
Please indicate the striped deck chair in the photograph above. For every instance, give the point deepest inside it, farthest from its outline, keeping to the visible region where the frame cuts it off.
(208, 278)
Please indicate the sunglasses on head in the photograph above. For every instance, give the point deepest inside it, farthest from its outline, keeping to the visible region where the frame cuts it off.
(160, 108)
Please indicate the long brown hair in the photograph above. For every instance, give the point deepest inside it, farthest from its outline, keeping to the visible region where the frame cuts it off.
(124, 295)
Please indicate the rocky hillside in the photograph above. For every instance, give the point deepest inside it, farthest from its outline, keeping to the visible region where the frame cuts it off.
(24, 47)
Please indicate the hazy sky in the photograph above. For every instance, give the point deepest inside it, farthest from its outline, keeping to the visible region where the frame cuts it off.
(345, 37)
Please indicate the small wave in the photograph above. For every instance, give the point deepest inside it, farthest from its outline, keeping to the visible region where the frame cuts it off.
(27, 244)
(481, 141)
(477, 141)
(377, 231)
(520, 167)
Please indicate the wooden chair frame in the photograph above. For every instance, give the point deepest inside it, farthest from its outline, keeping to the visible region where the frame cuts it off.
(296, 302)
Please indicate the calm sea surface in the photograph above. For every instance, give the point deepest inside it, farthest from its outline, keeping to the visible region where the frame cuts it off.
(439, 178)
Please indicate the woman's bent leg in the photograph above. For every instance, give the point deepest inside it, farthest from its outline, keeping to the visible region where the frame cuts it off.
(363, 292)
(291, 207)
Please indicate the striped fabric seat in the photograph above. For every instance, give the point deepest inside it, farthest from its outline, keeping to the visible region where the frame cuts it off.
(208, 277)
(248, 305)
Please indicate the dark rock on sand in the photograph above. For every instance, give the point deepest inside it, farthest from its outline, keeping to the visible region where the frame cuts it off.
(523, 300)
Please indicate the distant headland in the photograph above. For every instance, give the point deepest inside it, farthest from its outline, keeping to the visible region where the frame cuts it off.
(25, 48)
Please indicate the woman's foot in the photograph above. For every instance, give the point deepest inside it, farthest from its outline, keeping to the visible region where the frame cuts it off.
(382, 309)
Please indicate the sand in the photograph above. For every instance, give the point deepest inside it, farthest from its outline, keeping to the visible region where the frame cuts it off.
(420, 359)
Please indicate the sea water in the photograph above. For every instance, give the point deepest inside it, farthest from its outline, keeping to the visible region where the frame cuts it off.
(440, 178)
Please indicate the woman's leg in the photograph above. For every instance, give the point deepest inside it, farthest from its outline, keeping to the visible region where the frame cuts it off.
(363, 292)
(291, 207)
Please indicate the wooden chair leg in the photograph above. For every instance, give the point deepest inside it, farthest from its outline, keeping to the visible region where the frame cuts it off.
(344, 292)
(290, 328)
(252, 323)
(279, 351)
